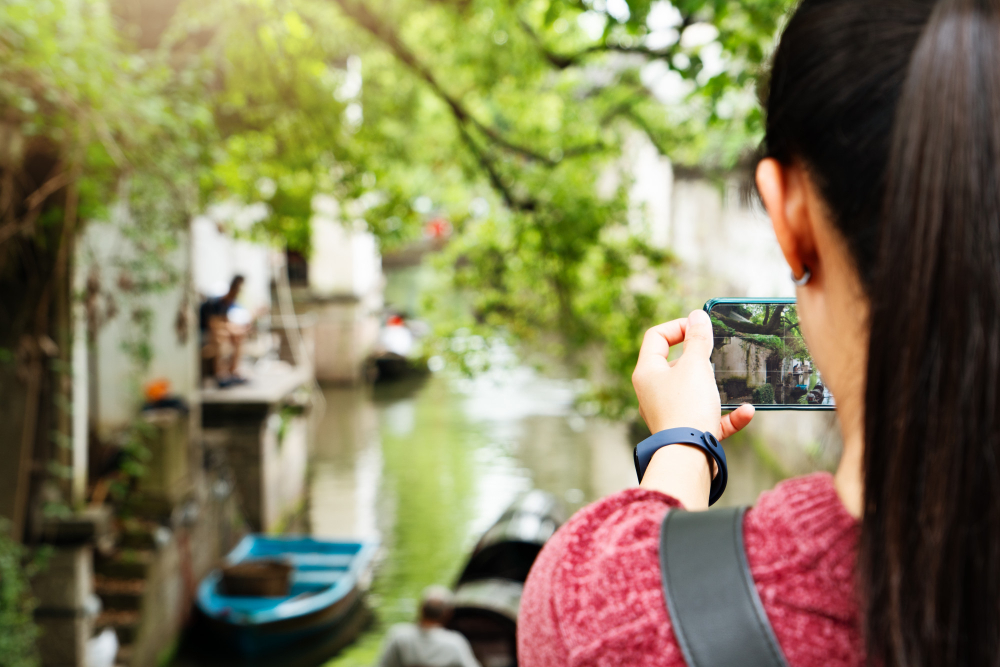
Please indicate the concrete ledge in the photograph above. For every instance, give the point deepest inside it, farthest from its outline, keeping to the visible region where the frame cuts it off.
(267, 388)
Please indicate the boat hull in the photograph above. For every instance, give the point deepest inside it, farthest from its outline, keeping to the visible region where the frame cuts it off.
(486, 613)
(202, 646)
(328, 580)
(488, 592)
(264, 638)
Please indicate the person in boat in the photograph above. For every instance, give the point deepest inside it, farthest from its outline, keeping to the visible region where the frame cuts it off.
(221, 339)
(428, 643)
(881, 176)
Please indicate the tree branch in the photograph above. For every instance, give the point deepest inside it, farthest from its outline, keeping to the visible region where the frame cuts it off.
(771, 328)
(566, 60)
(484, 161)
(34, 203)
(381, 30)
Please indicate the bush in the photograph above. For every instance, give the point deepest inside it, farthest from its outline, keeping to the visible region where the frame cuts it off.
(764, 394)
(18, 632)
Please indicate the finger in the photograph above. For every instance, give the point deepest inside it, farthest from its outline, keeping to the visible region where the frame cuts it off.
(737, 420)
(698, 339)
(658, 339)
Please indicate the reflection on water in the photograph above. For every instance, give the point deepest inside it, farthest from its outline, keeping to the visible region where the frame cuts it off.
(429, 465)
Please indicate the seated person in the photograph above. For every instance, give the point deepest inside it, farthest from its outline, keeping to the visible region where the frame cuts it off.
(428, 643)
(222, 340)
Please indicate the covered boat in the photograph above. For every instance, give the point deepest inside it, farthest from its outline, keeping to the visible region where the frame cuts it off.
(326, 582)
(488, 592)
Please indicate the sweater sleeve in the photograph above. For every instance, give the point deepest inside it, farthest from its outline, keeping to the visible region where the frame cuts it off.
(593, 596)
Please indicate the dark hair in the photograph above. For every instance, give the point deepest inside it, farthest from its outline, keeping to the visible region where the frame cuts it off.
(893, 107)
(236, 282)
(436, 604)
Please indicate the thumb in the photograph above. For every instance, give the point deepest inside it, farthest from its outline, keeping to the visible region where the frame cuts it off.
(698, 340)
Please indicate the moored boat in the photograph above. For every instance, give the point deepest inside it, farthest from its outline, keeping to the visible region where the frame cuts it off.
(397, 352)
(488, 592)
(326, 581)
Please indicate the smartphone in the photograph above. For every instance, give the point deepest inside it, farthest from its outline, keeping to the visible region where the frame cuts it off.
(760, 357)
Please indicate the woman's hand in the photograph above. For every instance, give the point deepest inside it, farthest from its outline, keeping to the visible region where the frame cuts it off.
(682, 393)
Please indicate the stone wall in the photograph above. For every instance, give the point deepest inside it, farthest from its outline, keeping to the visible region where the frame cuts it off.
(66, 608)
(201, 534)
(745, 357)
(268, 459)
(342, 335)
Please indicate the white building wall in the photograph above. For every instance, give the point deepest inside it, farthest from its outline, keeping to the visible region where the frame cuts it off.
(345, 296)
(218, 257)
(101, 251)
(651, 193)
(726, 248)
(344, 261)
(729, 245)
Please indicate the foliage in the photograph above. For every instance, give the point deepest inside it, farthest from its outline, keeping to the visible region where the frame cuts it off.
(134, 441)
(774, 343)
(763, 394)
(509, 119)
(71, 86)
(776, 330)
(88, 122)
(18, 631)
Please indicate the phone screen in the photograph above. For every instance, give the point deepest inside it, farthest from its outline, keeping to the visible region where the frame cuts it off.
(760, 357)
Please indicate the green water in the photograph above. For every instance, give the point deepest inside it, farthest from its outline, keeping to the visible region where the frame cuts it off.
(428, 494)
(428, 467)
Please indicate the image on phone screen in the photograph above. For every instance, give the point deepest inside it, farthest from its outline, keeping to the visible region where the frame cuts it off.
(760, 357)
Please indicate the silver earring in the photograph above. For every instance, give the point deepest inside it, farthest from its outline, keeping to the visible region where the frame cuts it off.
(804, 279)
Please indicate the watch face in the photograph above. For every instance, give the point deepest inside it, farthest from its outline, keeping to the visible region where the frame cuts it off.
(710, 439)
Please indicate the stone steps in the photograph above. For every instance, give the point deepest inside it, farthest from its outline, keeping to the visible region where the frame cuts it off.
(142, 534)
(125, 564)
(124, 656)
(120, 594)
(125, 623)
(139, 539)
(120, 582)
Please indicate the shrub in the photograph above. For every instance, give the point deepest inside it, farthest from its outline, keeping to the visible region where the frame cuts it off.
(764, 394)
(18, 632)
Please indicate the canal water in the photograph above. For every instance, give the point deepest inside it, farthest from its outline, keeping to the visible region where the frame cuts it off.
(426, 466)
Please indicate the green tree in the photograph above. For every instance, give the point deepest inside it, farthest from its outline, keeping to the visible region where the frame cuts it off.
(509, 118)
(502, 117)
(87, 121)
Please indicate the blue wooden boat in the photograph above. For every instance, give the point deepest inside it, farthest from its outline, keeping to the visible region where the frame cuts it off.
(328, 578)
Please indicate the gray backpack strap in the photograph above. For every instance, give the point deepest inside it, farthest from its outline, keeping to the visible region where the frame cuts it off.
(717, 616)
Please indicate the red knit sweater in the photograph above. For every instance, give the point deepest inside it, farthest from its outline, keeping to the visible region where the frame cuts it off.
(593, 596)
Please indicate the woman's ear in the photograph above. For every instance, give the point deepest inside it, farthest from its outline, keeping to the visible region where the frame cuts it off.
(785, 191)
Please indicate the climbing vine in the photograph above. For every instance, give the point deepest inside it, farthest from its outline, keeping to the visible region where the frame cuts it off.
(18, 632)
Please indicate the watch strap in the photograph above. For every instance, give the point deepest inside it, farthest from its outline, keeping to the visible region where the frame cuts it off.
(703, 440)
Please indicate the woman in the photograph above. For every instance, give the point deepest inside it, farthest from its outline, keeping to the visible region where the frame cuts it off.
(882, 179)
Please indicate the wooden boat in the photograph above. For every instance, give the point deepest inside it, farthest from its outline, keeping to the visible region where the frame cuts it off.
(396, 356)
(488, 592)
(327, 580)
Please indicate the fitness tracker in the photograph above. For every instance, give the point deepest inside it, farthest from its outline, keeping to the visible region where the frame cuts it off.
(703, 440)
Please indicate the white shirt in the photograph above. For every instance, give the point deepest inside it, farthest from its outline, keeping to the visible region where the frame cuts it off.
(409, 645)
